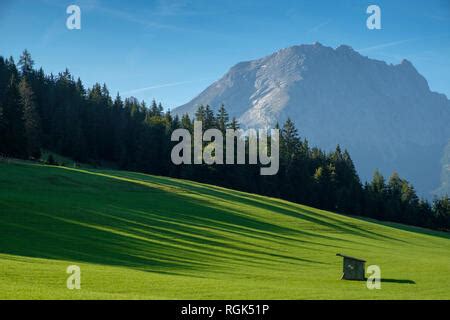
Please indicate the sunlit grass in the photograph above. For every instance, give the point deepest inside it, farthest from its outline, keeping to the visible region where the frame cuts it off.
(137, 236)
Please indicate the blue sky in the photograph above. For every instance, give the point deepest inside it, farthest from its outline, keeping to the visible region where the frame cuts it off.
(171, 50)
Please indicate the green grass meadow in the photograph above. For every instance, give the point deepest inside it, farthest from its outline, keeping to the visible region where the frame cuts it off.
(138, 236)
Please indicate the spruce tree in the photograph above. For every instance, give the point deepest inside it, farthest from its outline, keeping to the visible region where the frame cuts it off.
(2, 131)
(32, 122)
(234, 124)
(378, 184)
(210, 120)
(186, 122)
(200, 114)
(15, 141)
(289, 144)
(154, 109)
(441, 208)
(222, 119)
(26, 63)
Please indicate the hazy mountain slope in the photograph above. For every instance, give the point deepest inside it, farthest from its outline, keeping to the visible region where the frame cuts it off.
(384, 114)
(444, 188)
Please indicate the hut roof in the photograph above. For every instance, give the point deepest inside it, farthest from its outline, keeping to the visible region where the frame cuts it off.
(348, 257)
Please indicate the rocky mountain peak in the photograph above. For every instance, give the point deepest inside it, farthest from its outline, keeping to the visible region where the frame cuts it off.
(384, 114)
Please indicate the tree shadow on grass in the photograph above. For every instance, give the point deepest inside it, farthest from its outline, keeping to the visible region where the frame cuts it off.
(274, 205)
(291, 209)
(159, 225)
(148, 229)
(399, 226)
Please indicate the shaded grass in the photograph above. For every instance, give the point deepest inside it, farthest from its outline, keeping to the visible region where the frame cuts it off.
(143, 237)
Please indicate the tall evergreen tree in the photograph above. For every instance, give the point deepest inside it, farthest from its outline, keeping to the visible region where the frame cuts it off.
(441, 208)
(2, 131)
(186, 122)
(154, 109)
(15, 141)
(26, 63)
(222, 119)
(289, 143)
(32, 122)
(234, 124)
(210, 120)
(200, 114)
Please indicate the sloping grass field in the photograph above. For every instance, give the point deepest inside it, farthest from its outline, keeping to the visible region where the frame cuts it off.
(137, 236)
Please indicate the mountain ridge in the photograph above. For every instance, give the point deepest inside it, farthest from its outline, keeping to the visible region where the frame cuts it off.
(385, 114)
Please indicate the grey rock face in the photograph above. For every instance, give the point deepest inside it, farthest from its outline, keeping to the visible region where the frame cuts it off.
(444, 188)
(384, 114)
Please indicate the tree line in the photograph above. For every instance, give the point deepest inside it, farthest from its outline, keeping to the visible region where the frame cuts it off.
(57, 113)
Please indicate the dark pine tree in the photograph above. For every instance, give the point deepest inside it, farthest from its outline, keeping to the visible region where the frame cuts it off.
(26, 63)
(222, 119)
(32, 122)
(15, 140)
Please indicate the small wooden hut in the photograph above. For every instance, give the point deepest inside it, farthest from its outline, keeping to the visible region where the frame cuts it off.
(353, 268)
